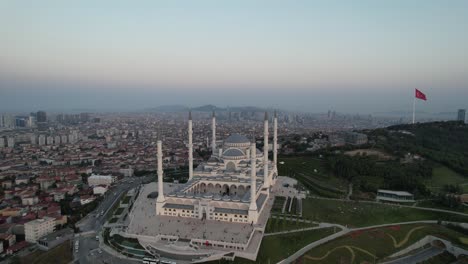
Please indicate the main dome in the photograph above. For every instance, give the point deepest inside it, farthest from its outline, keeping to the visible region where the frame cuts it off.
(237, 139)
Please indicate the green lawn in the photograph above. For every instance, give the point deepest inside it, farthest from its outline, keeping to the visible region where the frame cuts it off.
(126, 199)
(278, 204)
(307, 166)
(375, 244)
(359, 214)
(294, 206)
(128, 242)
(121, 245)
(442, 175)
(431, 204)
(119, 211)
(282, 223)
(276, 248)
(313, 174)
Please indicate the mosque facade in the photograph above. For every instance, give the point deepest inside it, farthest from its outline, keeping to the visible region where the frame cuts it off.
(232, 186)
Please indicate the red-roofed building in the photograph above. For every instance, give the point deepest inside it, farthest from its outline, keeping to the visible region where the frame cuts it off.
(17, 247)
(73, 179)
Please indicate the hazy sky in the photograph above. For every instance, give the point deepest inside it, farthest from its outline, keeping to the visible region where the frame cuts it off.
(356, 56)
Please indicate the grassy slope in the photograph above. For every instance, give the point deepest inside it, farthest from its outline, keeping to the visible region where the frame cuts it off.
(442, 175)
(307, 165)
(312, 172)
(365, 214)
(283, 224)
(377, 242)
(432, 204)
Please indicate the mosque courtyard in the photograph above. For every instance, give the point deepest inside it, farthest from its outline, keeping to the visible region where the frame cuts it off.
(146, 226)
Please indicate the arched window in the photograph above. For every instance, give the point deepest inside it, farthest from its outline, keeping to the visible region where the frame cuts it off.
(231, 166)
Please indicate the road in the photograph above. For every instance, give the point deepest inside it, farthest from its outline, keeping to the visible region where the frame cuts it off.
(91, 225)
(90, 252)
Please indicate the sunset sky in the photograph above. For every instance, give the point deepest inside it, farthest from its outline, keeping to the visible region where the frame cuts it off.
(352, 56)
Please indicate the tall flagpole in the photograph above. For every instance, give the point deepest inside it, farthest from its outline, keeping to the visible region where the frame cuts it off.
(414, 107)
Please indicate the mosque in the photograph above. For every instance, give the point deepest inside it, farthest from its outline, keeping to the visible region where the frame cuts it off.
(220, 212)
(232, 186)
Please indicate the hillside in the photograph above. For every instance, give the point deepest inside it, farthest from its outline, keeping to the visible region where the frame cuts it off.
(429, 160)
(442, 142)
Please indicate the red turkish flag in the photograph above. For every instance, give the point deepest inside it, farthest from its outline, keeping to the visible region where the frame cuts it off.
(420, 95)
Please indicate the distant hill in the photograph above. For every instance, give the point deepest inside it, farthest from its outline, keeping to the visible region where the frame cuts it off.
(169, 108)
(206, 108)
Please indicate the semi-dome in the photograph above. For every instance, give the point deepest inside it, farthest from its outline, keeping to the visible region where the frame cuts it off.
(233, 153)
(237, 139)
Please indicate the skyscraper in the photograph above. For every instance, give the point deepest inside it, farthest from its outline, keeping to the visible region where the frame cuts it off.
(7, 120)
(461, 115)
(41, 117)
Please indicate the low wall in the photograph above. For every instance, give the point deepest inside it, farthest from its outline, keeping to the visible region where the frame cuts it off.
(450, 247)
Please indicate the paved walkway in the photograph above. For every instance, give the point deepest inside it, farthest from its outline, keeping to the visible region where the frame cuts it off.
(350, 191)
(418, 257)
(320, 226)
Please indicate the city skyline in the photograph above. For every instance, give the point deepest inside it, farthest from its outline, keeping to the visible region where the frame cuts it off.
(362, 57)
(266, 131)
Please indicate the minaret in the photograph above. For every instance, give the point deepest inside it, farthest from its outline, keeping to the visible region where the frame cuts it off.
(253, 214)
(190, 145)
(160, 200)
(275, 140)
(213, 129)
(266, 182)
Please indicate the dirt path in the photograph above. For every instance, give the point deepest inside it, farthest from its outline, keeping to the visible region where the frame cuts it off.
(397, 245)
(351, 250)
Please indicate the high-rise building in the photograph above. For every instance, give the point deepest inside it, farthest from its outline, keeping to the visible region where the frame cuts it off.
(10, 142)
(21, 121)
(57, 140)
(59, 118)
(42, 140)
(29, 121)
(84, 117)
(41, 117)
(33, 139)
(64, 139)
(461, 115)
(7, 121)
